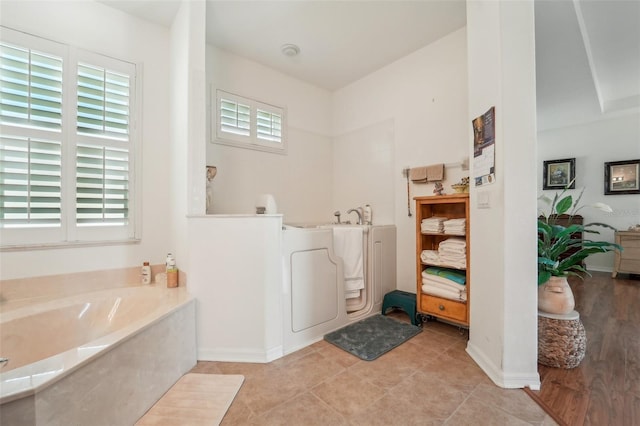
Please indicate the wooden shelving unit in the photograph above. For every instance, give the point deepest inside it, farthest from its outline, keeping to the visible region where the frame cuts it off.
(452, 207)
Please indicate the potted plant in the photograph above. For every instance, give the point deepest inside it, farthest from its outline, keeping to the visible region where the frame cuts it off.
(554, 240)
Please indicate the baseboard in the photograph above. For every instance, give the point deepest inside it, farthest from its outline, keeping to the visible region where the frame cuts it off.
(499, 377)
(240, 355)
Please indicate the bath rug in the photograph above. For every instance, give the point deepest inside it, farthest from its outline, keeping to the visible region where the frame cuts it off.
(195, 399)
(373, 336)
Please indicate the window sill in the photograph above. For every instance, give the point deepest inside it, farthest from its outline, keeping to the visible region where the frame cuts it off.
(72, 244)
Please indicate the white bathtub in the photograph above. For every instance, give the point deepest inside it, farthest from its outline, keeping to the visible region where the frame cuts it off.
(313, 282)
(103, 357)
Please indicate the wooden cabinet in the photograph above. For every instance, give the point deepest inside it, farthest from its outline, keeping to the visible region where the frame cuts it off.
(627, 261)
(454, 206)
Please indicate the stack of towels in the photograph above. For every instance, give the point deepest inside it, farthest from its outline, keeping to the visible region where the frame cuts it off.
(433, 224)
(453, 252)
(455, 226)
(446, 283)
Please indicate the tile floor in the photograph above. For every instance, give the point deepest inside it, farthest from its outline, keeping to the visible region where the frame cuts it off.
(429, 380)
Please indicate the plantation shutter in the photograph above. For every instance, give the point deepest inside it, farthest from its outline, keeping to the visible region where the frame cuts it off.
(68, 142)
(269, 126)
(30, 165)
(30, 182)
(102, 185)
(235, 117)
(248, 123)
(103, 156)
(31, 92)
(103, 102)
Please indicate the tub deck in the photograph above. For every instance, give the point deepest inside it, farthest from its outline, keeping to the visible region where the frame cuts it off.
(48, 341)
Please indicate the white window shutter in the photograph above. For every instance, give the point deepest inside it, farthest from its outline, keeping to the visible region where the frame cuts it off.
(30, 182)
(248, 123)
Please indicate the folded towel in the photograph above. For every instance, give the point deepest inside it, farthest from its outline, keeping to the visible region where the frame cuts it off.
(452, 251)
(454, 242)
(453, 263)
(449, 229)
(445, 286)
(450, 274)
(431, 229)
(430, 256)
(435, 172)
(459, 221)
(434, 219)
(347, 244)
(418, 174)
(433, 224)
(435, 291)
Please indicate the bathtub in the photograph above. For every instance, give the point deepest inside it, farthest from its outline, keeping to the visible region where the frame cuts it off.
(102, 357)
(313, 281)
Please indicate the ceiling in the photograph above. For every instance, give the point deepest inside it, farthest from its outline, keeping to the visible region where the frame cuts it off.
(587, 51)
(587, 60)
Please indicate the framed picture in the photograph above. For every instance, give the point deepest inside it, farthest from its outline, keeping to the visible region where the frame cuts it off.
(559, 174)
(622, 177)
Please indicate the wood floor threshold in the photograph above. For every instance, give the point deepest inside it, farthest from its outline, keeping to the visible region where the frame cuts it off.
(545, 407)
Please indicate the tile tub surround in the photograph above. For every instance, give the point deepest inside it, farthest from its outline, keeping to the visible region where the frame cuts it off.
(21, 291)
(121, 376)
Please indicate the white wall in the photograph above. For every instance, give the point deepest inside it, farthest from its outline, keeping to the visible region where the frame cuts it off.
(99, 28)
(503, 333)
(186, 165)
(592, 144)
(410, 113)
(300, 180)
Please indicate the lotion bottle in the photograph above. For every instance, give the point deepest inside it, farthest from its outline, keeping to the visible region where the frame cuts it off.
(170, 262)
(368, 215)
(146, 273)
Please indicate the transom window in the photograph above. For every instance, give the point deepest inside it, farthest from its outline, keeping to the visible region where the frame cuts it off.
(248, 123)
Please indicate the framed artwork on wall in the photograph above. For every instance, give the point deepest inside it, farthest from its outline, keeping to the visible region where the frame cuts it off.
(559, 174)
(622, 177)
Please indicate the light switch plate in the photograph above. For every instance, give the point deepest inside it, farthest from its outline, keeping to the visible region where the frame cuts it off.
(484, 200)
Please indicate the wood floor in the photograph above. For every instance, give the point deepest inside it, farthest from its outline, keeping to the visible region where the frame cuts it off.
(605, 388)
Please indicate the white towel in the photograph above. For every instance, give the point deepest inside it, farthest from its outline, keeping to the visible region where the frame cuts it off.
(458, 291)
(453, 263)
(435, 291)
(460, 221)
(347, 244)
(452, 250)
(454, 242)
(430, 256)
(443, 283)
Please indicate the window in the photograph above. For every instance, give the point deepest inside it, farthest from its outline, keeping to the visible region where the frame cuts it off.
(67, 144)
(248, 123)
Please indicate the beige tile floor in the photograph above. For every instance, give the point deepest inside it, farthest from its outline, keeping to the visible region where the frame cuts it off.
(429, 380)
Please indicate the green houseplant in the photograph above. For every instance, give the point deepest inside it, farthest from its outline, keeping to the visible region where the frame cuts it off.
(553, 241)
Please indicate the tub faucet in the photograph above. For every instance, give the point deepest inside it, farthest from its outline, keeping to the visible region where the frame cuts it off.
(357, 211)
(337, 215)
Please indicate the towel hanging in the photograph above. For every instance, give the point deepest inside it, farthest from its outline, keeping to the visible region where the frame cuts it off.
(426, 174)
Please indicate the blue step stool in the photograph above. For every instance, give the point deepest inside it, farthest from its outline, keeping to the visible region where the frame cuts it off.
(402, 300)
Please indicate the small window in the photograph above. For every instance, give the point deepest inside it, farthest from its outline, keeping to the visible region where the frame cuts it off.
(247, 123)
